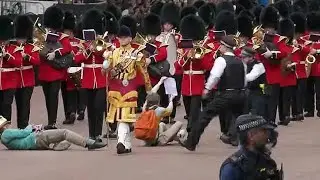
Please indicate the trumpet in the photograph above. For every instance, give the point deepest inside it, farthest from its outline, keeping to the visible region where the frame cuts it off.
(237, 39)
(99, 44)
(310, 59)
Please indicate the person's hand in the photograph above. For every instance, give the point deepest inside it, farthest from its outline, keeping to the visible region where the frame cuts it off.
(163, 78)
(267, 54)
(205, 93)
(51, 56)
(107, 54)
(105, 64)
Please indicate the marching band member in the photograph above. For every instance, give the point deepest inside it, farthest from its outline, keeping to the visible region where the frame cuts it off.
(74, 102)
(10, 59)
(207, 15)
(24, 33)
(113, 9)
(49, 76)
(193, 69)
(93, 81)
(245, 28)
(122, 65)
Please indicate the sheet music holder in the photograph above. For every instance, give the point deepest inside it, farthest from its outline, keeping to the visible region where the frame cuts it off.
(314, 37)
(185, 43)
(151, 48)
(219, 34)
(52, 38)
(89, 34)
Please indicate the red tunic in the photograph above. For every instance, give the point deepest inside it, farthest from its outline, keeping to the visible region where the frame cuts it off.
(46, 71)
(315, 68)
(160, 56)
(290, 79)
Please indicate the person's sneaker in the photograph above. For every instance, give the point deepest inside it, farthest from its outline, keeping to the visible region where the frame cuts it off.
(70, 119)
(97, 145)
(50, 126)
(121, 149)
(80, 116)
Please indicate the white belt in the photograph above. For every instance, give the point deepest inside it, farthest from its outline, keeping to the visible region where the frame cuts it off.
(302, 62)
(92, 65)
(8, 69)
(193, 72)
(24, 67)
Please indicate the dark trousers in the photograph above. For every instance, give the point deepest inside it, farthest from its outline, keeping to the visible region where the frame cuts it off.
(178, 79)
(6, 99)
(74, 101)
(193, 107)
(313, 88)
(51, 95)
(23, 97)
(285, 101)
(81, 101)
(64, 94)
(233, 100)
(96, 105)
(257, 103)
(272, 91)
(298, 100)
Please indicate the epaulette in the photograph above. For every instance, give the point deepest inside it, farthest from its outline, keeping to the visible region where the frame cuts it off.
(295, 49)
(35, 48)
(211, 45)
(63, 35)
(281, 38)
(18, 48)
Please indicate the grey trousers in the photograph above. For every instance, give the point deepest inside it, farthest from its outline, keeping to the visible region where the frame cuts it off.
(59, 139)
(167, 135)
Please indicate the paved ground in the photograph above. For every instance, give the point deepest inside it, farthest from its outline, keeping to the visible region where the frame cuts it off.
(298, 149)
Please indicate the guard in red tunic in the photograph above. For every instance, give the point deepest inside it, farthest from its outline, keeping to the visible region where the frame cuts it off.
(24, 33)
(50, 76)
(194, 69)
(245, 29)
(10, 61)
(93, 81)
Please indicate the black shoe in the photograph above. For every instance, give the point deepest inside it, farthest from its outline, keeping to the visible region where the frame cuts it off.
(318, 114)
(188, 145)
(285, 122)
(234, 143)
(309, 114)
(97, 145)
(80, 116)
(70, 119)
(299, 117)
(185, 117)
(121, 149)
(225, 139)
(50, 126)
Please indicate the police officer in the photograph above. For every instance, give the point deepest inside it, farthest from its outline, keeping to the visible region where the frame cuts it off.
(252, 161)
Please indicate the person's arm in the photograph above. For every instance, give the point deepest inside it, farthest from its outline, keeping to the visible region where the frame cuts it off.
(215, 73)
(230, 172)
(257, 70)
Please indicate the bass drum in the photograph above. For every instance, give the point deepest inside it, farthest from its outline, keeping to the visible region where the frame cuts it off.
(74, 74)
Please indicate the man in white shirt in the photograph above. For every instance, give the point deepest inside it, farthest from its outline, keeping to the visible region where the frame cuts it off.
(230, 72)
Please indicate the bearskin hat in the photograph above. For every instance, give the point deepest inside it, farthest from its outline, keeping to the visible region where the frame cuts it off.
(247, 4)
(199, 3)
(113, 9)
(314, 5)
(112, 25)
(187, 11)
(69, 21)
(245, 23)
(6, 30)
(78, 30)
(156, 7)
(124, 31)
(256, 12)
(23, 27)
(224, 5)
(226, 21)
(170, 13)
(239, 8)
(283, 7)
(53, 18)
(269, 17)
(300, 5)
(300, 21)
(212, 6)
(313, 21)
(151, 25)
(131, 23)
(286, 28)
(188, 30)
(94, 19)
(207, 14)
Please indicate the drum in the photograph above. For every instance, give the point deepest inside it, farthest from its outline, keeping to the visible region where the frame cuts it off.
(74, 74)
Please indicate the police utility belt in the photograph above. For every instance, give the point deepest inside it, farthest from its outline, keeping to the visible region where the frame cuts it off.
(15, 69)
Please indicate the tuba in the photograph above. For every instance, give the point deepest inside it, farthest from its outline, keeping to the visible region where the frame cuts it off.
(39, 34)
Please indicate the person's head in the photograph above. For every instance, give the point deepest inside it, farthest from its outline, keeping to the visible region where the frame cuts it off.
(124, 35)
(4, 124)
(247, 54)
(152, 100)
(94, 19)
(255, 132)
(69, 23)
(131, 23)
(192, 27)
(170, 16)
(23, 28)
(227, 44)
(151, 26)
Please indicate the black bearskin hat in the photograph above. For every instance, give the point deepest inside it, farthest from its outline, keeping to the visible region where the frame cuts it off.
(225, 6)
(256, 12)
(199, 3)
(207, 14)
(226, 21)
(212, 6)
(23, 27)
(131, 23)
(151, 25)
(286, 28)
(300, 21)
(245, 23)
(124, 31)
(69, 21)
(269, 17)
(156, 7)
(170, 13)
(78, 30)
(53, 18)
(192, 27)
(247, 4)
(113, 9)
(313, 21)
(300, 5)
(283, 7)
(6, 30)
(94, 19)
(314, 5)
(187, 11)
(238, 9)
(112, 25)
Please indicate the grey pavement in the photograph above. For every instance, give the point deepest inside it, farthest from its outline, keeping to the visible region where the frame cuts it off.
(298, 149)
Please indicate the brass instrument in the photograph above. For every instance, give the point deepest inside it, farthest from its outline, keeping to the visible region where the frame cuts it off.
(310, 59)
(99, 44)
(39, 34)
(237, 39)
(196, 53)
(257, 38)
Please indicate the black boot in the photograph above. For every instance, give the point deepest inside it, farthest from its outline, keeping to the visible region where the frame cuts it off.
(70, 119)
(285, 122)
(121, 149)
(97, 145)
(80, 116)
(50, 126)
(309, 114)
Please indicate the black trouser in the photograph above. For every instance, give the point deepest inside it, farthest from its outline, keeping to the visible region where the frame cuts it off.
(81, 100)
(257, 103)
(23, 97)
(192, 105)
(178, 78)
(64, 94)
(142, 94)
(313, 88)
(285, 101)
(272, 91)
(6, 99)
(51, 95)
(96, 105)
(298, 100)
(232, 100)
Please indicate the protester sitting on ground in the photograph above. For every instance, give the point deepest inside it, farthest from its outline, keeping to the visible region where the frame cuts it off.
(164, 134)
(33, 137)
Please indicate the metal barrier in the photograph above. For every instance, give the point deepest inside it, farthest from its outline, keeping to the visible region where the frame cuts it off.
(20, 7)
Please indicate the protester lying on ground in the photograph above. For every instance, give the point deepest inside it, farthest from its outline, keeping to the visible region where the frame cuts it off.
(34, 137)
(149, 128)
